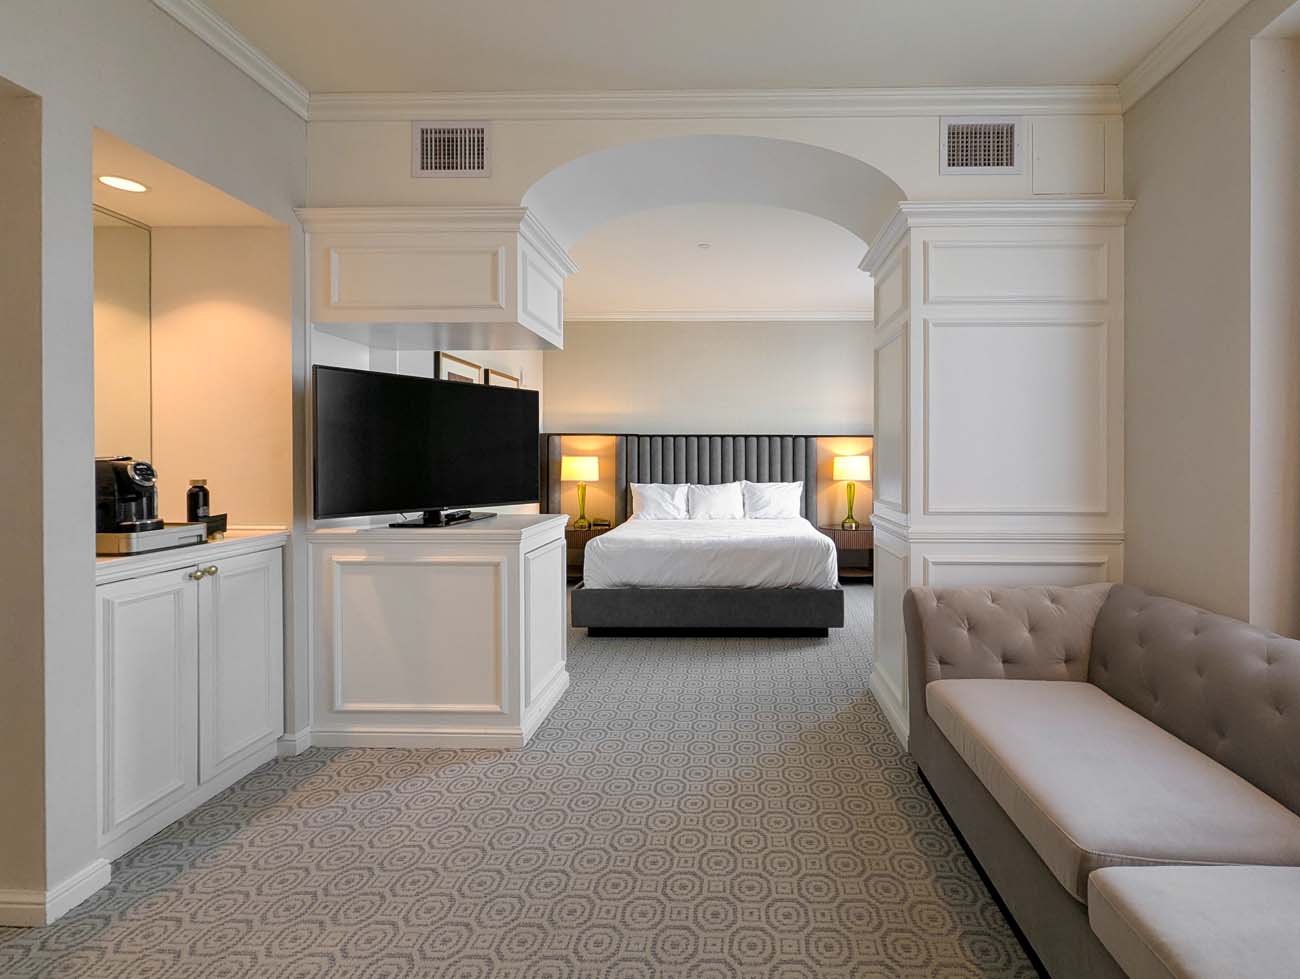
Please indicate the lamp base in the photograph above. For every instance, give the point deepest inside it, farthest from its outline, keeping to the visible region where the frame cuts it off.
(581, 523)
(848, 523)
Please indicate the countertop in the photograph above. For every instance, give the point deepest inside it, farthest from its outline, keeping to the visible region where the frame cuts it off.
(117, 567)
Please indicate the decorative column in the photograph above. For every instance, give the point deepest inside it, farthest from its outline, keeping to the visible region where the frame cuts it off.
(999, 445)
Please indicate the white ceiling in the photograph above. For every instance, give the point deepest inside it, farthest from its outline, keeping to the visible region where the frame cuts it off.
(174, 199)
(763, 263)
(581, 45)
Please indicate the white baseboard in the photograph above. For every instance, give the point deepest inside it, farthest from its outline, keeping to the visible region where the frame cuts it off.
(293, 744)
(33, 909)
(76, 889)
(891, 702)
(545, 702)
(380, 737)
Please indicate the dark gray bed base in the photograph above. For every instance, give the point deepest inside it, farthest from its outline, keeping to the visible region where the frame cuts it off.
(707, 611)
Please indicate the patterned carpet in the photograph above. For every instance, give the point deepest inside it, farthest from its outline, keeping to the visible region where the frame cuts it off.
(703, 809)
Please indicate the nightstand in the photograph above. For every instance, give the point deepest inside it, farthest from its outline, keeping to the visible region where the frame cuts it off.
(853, 549)
(576, 542)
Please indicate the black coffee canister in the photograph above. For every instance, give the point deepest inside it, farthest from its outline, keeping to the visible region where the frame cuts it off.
(196, 500)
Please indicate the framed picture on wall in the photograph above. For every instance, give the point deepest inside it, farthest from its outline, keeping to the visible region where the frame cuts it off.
(500, 379)
(448, 367)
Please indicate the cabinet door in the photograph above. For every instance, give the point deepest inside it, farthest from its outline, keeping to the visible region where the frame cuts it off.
(146, 660)
(241, 659)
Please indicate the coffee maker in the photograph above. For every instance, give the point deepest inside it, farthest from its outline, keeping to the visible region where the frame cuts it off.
(126, 510)
(126, 496)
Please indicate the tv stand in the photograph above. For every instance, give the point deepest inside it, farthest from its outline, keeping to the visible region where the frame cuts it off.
(443, 518)
(454, 639)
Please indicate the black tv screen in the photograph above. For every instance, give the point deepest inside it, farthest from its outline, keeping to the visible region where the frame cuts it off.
(387, 443)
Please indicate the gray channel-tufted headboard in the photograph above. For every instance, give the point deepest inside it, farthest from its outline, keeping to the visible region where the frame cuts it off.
(704, 459)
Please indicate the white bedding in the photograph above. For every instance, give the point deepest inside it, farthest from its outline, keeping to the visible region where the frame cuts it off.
(711, 554)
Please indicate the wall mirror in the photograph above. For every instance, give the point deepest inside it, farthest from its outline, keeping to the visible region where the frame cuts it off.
(122, 337)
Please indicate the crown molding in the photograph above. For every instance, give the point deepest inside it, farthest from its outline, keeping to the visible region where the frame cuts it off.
(710, 104)
(1178, 45)
(425, 217)
(217, 33)
(794, 316)
(991, 214)
(435, 219)
(1018, 213)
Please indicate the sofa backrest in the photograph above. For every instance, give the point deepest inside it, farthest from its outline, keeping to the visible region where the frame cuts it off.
(1042, 633)
(1226, 688)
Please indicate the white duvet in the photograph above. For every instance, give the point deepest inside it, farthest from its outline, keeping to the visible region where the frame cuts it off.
(711, 554)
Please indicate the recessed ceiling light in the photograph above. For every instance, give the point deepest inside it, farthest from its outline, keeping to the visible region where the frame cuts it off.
(704, 246)
(122, 183)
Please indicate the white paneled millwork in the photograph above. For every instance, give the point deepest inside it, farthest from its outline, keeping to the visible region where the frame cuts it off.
(438, 636)
(545, 623)
(189, 674)
(999, 395)
(429, 609)
(482, 276)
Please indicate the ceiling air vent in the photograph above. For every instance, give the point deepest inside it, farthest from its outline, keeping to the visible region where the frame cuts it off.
(982, 144)
(449, 149)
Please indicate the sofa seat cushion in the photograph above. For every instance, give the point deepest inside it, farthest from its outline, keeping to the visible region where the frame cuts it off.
(1198, 922)
(1092, 784)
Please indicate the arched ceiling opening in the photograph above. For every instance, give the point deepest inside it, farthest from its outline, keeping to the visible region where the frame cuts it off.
(592, 190)
(706, 262)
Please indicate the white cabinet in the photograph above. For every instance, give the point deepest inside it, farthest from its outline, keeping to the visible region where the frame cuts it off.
(147, 666)
(449, 636)
(241, 660)
(189, 676)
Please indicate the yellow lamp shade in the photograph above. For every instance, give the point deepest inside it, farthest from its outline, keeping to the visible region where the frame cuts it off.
(585, 469)
(852, 468)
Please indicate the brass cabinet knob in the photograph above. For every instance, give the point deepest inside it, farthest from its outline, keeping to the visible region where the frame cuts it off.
(210, 569)
(197, 574)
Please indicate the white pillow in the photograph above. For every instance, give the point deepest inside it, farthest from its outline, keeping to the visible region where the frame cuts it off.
(659, 501)
(773, 501)
(721, 502)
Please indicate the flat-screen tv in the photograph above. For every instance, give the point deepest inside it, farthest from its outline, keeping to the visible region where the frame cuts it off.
(388, 443)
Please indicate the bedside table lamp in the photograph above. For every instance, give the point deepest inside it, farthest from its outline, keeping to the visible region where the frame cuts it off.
(581, 470)
(849, 470)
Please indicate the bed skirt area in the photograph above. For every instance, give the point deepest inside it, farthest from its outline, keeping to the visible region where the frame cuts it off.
(707, 611)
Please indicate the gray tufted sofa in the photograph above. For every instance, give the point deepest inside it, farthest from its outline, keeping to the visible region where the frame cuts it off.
(1124, 767)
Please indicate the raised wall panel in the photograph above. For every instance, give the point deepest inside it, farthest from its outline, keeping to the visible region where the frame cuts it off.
(1016, 417)
(541, 295)
(889, 672)
(1069, 155)
(891, 289)
(1014, 571)
(1027, 271)
(545, 601)
(428, 611)
(407, 277)
(146, 663)
(889, 450)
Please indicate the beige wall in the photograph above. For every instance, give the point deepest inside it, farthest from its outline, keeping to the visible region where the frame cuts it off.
(222, 388)
(734, 378)
(1188, 322)
(1275, 336)
(22, 782)
(122, 356)
(129, 68)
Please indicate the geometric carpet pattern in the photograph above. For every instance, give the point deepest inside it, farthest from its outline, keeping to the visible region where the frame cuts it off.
(693, 809)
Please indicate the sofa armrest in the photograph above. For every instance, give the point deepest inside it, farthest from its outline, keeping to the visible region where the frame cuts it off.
(1038, 633)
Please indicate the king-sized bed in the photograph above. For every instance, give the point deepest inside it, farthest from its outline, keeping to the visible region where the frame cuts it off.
(753, 572)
